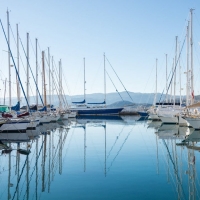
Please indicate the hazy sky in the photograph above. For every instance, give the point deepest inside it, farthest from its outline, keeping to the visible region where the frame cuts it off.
(131, 33)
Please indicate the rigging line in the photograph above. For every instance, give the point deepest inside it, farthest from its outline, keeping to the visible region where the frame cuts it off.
(3, 80)
(35, 166)
(115, 142)
(164, 87)
(94, 80)
(56, 86)
(146, 86)
(39, 64)
(25, 179)
(67, 86)
(19, 55)
(20, 177)
(39, 60)
(114, 86)
(66, 150)
(119, 79)
(174, 68)
(170, 173)
(63, 96)
(31, 72)
(62, 143)
(119, 150)
(198, 62)
(39, 68)
(15, 65)
(175, 170)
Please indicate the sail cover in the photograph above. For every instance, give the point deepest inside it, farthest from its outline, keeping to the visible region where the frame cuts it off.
(98, 103)
(78, 102)
(33, 108)
(16, 107)
(43, 109)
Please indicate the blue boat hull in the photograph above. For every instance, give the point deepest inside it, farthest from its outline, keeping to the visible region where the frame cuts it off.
(143, 114)
(98, 111)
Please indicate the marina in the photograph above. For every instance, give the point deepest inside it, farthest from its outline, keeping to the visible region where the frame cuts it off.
(99, 100)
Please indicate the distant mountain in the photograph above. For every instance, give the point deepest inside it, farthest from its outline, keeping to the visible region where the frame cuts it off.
(111, 98)
(143, 98)
(121, 104)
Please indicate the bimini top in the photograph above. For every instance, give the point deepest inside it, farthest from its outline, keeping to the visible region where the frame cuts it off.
(4, 108)
(78, 102)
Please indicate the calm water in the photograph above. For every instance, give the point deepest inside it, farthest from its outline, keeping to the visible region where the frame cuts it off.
(102, 159)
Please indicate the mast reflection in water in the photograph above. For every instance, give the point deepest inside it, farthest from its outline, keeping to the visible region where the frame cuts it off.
(101, 158)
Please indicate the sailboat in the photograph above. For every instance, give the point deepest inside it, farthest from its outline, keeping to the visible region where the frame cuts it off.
(83, 108)
(64, 112)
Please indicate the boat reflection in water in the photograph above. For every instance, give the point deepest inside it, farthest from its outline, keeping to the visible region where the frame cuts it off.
(36, 157)
(25, 155)
(180, 144)
(103, 154)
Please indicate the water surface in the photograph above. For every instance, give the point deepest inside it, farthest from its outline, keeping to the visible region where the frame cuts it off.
(102, 158)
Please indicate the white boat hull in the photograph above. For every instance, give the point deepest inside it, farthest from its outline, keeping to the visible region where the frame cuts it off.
(14, 137)
(72, 115)
(44, 119)
(153, 117)
(16, 125)
(167, 131)
(33, 124)
(54, 118)
(64, 116)
(182, 122)
(194, 122)
(169, 120)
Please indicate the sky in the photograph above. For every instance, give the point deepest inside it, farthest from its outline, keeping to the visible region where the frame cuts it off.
(132, 34)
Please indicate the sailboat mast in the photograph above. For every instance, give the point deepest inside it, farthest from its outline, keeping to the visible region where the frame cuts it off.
(84, 78)
(49, 76)
(105, 171)
(36, 44)
(187, 73)
(52, 80)
(171, 82)
(105, 79)
(166, 81)
(157, 154)
(18, 90)
(18, 165)
(175, 63)
(9, 172)
(36, 169)
(27, 175)
(60, 83)
(191, 46)
(85, 148)
(9, 71)
(180, 76)
(4, 99)
(156, 81)
(27, 91)
(61, 80)
(43, 67)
